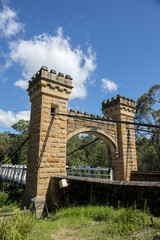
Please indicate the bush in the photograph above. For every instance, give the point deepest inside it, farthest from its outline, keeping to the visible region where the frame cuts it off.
(3, 198)
(14, 196)
(16, 227)
(125, 220)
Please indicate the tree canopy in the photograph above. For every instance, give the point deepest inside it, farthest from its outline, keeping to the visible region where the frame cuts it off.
(148, 106)
(9, 142)
(148, 146)
(95, 154)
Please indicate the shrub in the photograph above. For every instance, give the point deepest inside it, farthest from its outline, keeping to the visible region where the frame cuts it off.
(3, 198)
(16, 227)
(125, 220)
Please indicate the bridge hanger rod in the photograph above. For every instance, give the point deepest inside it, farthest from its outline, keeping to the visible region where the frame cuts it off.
(106, 120)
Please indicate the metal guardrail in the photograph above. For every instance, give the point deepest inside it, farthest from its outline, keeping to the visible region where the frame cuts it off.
(89, 172)
(16, 174)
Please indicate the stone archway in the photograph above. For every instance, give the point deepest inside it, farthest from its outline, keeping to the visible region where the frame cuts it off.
(109, 142)
(51, 125)
(100, 134)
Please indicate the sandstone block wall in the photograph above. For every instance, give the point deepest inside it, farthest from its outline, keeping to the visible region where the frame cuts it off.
(83, 191)
(123, 109)
(107, 131)
(145, 176)
(49, 132)
(48, 93)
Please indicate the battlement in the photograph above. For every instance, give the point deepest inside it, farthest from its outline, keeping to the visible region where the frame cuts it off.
(43, 73)
(119, 106)
(85, 114)
(118, 100)
(50, 83)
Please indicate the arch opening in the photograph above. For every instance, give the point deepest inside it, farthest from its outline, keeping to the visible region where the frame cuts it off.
(106, 137)
(88, 149)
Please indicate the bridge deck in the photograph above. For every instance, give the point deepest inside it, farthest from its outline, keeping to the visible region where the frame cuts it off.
(16, 174)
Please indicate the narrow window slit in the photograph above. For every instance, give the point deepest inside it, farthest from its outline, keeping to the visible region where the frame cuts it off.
(52, 111)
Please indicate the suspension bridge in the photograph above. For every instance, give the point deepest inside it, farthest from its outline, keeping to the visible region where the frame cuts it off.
(16, 174)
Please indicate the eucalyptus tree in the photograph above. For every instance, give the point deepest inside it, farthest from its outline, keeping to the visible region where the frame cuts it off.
(148, 111)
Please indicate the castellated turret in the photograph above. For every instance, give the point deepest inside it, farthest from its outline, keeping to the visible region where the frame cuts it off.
(49, 94)
(123, 109)
(47, 82)
(119, 106)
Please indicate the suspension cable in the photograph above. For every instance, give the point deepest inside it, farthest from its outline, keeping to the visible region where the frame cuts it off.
(14, 152)
(93, 119)
(83, 146)
(144, 130)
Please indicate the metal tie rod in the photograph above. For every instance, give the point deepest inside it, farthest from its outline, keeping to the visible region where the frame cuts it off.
(106, 120)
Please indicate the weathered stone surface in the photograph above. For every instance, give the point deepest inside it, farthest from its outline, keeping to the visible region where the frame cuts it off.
(47, 91)
(84, 191)
(49, 133)
(145, 176)
(123, 109)
(52, 160)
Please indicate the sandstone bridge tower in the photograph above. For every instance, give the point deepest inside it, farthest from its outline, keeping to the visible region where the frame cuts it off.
(48, 93)
(123, 109)
(49, 133)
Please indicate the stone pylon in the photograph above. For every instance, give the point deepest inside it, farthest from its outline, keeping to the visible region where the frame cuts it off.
(49, 94)
(122, 109)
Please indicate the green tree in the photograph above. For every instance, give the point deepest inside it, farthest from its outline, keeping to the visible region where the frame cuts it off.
(95, 154)
(148, 106)
(16, 139)
(4, 144)
(22, 127)
(77, 158)
(9, 142)
(148, 111)
(146, 155)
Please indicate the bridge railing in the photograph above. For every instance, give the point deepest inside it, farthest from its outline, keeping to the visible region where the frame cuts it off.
(16, 174)
(90, 172)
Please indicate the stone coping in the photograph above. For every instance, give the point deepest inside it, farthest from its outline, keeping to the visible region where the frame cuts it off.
(110, 182)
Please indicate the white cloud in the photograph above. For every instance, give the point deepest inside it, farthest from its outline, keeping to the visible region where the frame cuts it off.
(9, 26)
(109, 85)
(55, 52)
(7, 119)
(22, 84)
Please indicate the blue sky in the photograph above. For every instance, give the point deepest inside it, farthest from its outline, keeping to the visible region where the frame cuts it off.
(109, 47)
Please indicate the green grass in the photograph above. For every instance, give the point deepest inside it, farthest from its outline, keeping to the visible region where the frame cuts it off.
(98, 223)
(81, 223)
(16, 227)
(77, 223)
